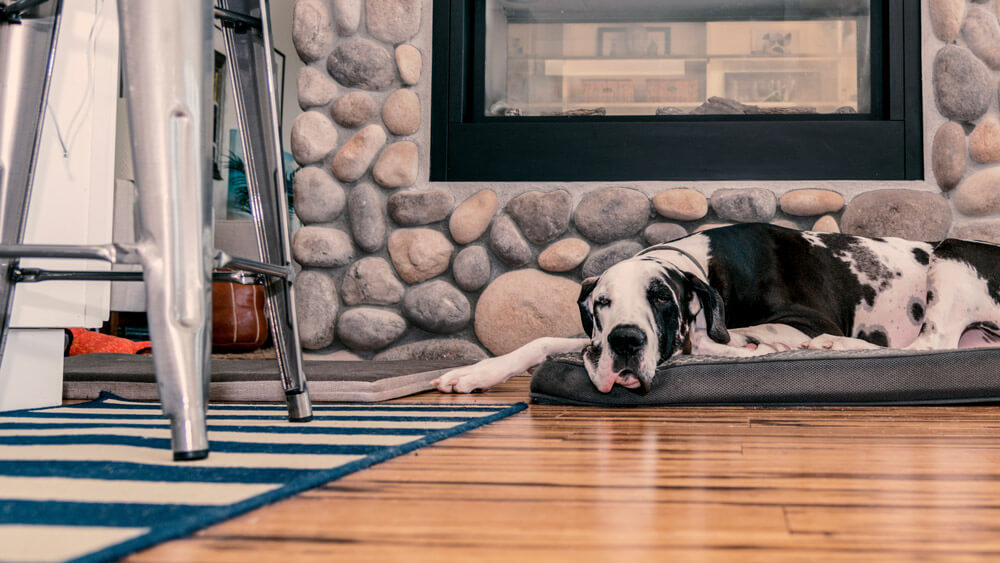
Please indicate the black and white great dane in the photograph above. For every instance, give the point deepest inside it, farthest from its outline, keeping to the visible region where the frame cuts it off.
(754, 289)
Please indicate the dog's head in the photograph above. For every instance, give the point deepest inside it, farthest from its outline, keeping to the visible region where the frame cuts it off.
(639, 313)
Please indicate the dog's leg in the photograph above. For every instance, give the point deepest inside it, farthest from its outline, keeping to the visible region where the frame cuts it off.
(494, 371)
(702, 344)
(839, 343)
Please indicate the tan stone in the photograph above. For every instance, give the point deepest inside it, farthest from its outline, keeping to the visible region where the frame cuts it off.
(979, 194)
(523, 305)
(681, 204)
(471, 219)
(948, 155)
(946, 18)
(984, 141)
(419, 254)
(826, 224)
(709, 227)
(410, 63)
(397, 166)
(563, 255)
(352, 160)
(986, 230)
(809, 202)
(401, 112)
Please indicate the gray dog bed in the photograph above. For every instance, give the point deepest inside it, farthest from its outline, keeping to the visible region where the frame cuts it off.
(889, 377)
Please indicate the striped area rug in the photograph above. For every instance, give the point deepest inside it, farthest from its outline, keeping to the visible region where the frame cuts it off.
(96, 481)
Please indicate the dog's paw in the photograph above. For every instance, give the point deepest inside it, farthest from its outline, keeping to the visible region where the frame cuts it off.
(837, 343)
(476, 377)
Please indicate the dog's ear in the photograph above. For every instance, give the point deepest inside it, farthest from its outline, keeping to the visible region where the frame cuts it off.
(715, 310)
(586, 314)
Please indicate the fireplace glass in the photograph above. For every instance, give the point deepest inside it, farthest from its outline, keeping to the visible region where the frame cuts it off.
(677, 57)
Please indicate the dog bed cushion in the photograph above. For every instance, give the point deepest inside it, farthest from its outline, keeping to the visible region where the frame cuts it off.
(801, 377)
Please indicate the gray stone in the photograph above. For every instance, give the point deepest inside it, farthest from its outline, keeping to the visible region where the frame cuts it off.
(946, 18)
(312, 34)
(809, 202)
(367, 216)
(508, 243)
(322, 247)
(984, 141)
(420, 207)
(360, 63)
(754, 205)
(371, 281)
(410, 63)
(392, 21)
(611, 214)
(315, 87)
(438, 307)
(979, 194)
(316, 309)
(982, 33)
(986, 230)
(352, 160)
(397, 166)
(681, 204)
(564, 255)
(472, 268)
(963, 85)
(313, 137)
(471, 219)
(659, 233)
(435, 349)
(948, 155)
(419, 254)
(347, 16)
(542, 216)
(603, 258)
(523, 305)
(318, 197)
(907, 214)
(401, 112)
(367, 328)
(353, 109)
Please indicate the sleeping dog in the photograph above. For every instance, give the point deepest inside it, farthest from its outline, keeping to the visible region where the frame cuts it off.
(754, 289)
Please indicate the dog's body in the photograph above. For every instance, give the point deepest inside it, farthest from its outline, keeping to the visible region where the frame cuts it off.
(754, 289)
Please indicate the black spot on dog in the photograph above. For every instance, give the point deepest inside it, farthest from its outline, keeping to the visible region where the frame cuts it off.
(916, 312)
(868, 293)
(930, 297)
(876, 336)
(921, 256)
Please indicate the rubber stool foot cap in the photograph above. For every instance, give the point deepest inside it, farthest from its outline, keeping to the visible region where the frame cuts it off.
(190, 456)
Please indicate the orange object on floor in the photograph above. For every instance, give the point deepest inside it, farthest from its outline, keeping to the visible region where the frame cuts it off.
(83, 341)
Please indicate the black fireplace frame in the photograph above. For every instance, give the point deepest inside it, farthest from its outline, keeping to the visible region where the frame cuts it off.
(467, 145)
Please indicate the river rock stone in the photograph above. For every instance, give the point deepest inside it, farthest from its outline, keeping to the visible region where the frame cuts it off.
(807, 202)
(367, 328)
(315, 87)
(984, 141)
(438, 307)
(611, 214)
(313, 137)
(659, 233)
(419, 254)
(371, 281)
(709, 227)
(982, 33)
(420, 207)
(322, 247)
(523, 305)
(987, 231)
(471, 219)
(347, 16)
(352, 160)
(312, 34)
(603, 258)
(316, 309)
(979, 194)
(963, 85)
(401, 112)
(434, 349)
(367, 217)
(542, 216)
(946, 18)
(754, 205)
(508, 243)
(397, 166)
(681, 204)
(564, 255)
(948, 155)
(410, 63)
(907, 214)
(826, 224)
(353, 109)
(392, 21)
(360, 63)
(318, 197)
(472, 268)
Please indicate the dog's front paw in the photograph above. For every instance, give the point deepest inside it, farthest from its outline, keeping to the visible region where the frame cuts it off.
(476, 377)
(837, 343)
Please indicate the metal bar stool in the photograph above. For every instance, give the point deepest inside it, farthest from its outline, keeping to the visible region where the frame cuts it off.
(167, 60)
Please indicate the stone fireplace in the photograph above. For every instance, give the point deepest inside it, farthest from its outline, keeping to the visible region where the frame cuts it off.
(396, 266)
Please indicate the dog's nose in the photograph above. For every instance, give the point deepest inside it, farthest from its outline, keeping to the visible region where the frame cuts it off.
(626, 340)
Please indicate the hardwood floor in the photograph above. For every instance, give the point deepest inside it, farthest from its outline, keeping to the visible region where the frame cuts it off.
(706, 484)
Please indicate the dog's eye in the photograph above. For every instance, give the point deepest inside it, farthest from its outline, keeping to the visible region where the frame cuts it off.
(602, 301)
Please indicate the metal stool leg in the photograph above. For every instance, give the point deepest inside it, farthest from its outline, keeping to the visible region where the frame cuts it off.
(167, 48)
(250, 64)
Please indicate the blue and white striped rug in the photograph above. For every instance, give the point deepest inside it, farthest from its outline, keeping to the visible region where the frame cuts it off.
(95, 481)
